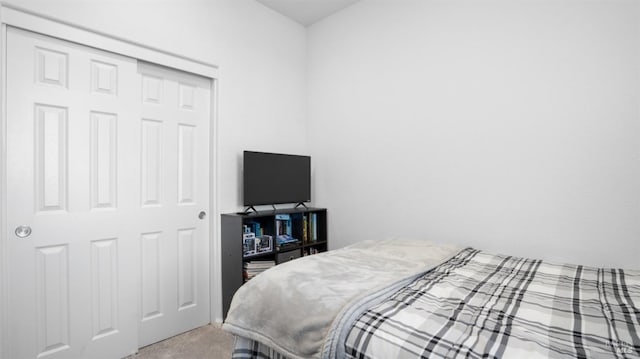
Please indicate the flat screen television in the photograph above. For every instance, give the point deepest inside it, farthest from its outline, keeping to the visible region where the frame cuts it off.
(276, 178)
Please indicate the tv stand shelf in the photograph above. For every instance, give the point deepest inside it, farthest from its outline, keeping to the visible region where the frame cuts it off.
(245, 238)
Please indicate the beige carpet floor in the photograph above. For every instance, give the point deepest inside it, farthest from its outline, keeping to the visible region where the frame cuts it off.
(208, 342)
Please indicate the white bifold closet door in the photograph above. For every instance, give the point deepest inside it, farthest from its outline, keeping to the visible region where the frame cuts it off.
(107, 174)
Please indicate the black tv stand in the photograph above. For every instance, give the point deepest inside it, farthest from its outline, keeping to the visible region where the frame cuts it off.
(301, 204)
(238, 258)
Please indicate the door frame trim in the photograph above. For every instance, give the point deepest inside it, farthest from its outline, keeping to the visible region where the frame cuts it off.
(35, 22)
(14, 16)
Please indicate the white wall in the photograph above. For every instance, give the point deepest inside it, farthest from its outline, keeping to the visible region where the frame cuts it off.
(507, 125)
(260, 54)
(511, 126)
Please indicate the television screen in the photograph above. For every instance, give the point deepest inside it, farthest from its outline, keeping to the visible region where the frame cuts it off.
(274, 178)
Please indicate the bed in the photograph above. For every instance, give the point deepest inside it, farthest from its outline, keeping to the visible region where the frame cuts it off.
(417, 299)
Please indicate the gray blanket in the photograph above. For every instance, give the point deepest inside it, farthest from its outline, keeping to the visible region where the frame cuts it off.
(291, 307)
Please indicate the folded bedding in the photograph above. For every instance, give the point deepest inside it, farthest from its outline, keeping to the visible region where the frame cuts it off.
(416, 299)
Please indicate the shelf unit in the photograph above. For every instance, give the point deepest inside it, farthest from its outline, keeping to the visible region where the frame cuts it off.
(312, 238)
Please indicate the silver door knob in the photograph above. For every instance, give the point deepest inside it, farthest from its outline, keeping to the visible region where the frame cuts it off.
(202, 214)
(23, 231)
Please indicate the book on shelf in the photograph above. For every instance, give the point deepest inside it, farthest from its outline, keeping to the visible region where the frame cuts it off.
(305, 229)
(259, 264)
(286, 242)
(284, 232)
(253, 227)
(253, 268)
(313, 227)
(283, 224)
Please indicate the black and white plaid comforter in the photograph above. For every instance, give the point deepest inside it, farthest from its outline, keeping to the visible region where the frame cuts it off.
(478, 305)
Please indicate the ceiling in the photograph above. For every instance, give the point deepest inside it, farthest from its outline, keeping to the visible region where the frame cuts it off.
(306, 12)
